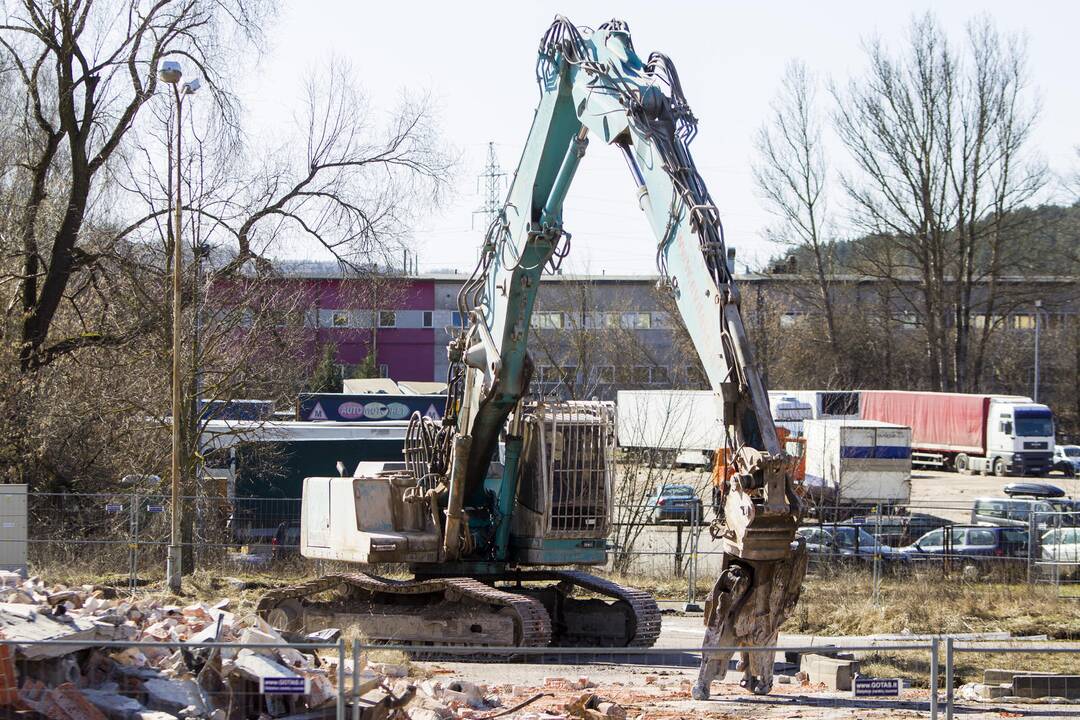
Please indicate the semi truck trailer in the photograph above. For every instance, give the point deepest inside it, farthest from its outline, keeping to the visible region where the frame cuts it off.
(988, 434)
(857, 463)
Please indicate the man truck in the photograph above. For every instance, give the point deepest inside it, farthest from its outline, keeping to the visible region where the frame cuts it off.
(988, 434)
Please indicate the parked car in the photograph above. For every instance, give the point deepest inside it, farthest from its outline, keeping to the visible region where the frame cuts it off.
(678, 503)
(1066, 459)
(1061, 548)
(845, 541)
(970, 543)
(1016, 512)
(899, 530)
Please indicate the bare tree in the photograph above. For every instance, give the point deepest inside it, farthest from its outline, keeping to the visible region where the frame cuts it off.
(588, 341)
(939, 140)
(87, 71)
(792, 175)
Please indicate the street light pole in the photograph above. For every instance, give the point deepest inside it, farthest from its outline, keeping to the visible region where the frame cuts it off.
(1038, 316)
(171, 73)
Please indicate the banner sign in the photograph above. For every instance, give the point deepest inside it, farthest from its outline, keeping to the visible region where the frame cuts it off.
(340, 407)
(876, 687)
(294, 685)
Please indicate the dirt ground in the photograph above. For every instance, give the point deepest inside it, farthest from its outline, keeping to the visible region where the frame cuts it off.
(662, 691)
(950, 495)
(657, 685)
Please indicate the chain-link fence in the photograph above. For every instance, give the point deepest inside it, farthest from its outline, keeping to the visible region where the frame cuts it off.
(94, 678)
(125, 535)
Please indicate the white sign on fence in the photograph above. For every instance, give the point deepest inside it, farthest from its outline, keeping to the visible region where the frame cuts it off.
(295, 685)
(876, 687)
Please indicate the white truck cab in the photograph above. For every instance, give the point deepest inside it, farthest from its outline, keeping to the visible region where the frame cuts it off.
(1019, 437)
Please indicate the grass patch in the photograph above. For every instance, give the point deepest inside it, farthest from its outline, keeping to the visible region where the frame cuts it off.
(932, 604)
(967, 666)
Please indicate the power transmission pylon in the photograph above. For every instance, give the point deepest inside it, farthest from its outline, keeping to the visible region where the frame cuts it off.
(492, 179)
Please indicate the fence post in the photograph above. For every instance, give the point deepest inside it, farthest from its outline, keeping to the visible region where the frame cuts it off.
(948, 678)
(341, 679)
(1032, 538)
(691, 585)
(356, 679)
(133, 543)
(934, 678)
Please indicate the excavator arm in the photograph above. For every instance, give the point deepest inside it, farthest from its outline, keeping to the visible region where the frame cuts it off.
(595, 87)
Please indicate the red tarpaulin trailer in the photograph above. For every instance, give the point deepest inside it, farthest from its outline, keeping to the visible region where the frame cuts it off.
(951, 422)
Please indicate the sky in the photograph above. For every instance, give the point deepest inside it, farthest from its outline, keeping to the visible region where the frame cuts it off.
(477, 59)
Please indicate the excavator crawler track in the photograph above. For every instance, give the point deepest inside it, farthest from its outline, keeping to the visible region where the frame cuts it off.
(644, 625)
(428, 612)
(372, 601)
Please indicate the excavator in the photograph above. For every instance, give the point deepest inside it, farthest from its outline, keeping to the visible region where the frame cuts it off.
(494, 506)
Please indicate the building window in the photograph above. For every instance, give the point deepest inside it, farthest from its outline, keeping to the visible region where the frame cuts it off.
(384, 370)
(341, 318)
(610, 319)
(427, 319)
(605, 374)
(660, 375)
(1024, 322)
(456, 319)
(387, 319)
(637, 320)
(547, 320)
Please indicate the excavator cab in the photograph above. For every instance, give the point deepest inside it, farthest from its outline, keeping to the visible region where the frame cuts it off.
(563, 510)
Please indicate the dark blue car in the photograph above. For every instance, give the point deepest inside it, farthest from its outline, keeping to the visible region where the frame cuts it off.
(676, 503)
(975, 543)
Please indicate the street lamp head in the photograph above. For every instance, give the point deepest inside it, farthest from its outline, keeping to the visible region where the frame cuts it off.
(189, 88)
(1038, 304)
(170, 72)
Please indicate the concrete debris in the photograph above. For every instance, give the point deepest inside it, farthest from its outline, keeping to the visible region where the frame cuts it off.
(173, 696)
(181, 678)
(835, 673)
(591, 707)
(390, 670)
(85, 681)
(65, 702)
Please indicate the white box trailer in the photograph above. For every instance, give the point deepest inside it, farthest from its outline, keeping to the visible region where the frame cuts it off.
(858, 462)
(683, 425)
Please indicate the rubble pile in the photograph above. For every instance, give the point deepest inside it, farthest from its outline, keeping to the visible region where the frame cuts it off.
(55, 662)
(81, 653)
(461, 700)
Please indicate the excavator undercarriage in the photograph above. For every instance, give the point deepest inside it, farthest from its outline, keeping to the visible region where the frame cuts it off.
(532, 608)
